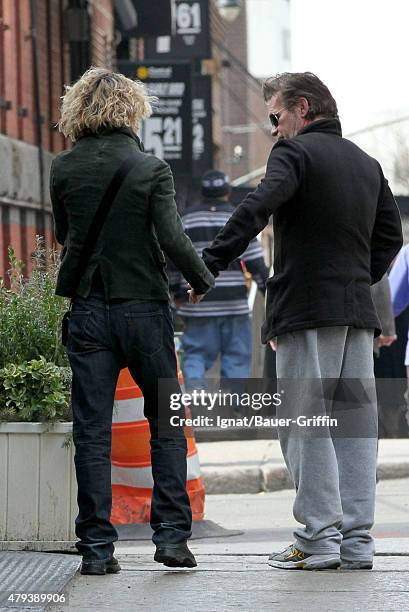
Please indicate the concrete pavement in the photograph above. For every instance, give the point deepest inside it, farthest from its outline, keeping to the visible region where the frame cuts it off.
(254, 466)
(233, 573)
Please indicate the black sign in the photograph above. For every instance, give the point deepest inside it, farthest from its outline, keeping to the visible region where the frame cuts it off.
(135, 18)
(191, 33)
(202, 141)
(168, 132)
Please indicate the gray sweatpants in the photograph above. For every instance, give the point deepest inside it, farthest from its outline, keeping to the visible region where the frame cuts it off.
(334, 475)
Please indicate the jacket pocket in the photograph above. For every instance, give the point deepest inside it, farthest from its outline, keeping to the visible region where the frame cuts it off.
(350, 301)
(273, 292)
(160, 261)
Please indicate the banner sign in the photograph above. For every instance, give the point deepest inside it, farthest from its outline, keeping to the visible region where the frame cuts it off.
(168, 132)
(202, 140)
(191, 33)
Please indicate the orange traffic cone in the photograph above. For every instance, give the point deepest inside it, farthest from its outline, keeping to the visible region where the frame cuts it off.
(132, 481)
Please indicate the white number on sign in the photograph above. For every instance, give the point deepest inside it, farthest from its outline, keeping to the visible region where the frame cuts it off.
(188, 17)
(198, 138)
(152, 136)
(172, 132)
(162, 135)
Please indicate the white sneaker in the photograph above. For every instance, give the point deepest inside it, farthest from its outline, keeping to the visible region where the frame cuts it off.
(293, 558)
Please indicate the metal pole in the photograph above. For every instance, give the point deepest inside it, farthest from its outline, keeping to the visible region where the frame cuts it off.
(241, 180)
(37, 114)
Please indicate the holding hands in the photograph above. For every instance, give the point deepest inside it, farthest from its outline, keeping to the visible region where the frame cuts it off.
(195, 298)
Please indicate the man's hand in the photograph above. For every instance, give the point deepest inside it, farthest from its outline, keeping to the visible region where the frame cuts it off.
(195, 298)
(386, 340)
(273, 343)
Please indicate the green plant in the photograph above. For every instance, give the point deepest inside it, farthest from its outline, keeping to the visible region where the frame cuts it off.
(30, 312)
(33, 391)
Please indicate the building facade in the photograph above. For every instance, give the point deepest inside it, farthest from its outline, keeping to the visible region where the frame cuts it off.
(45, 44)
(39, 53)
(257, 44)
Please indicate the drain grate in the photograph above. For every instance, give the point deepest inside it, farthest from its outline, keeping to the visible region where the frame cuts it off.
(33, 572)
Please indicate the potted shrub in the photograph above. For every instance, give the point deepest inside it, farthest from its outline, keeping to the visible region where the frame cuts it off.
(37, 480)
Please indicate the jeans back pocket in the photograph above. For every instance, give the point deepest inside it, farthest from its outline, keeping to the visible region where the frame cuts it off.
(77, 325)
(145, 331)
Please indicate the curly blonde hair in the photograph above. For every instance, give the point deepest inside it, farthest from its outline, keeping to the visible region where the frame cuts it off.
(103, 99)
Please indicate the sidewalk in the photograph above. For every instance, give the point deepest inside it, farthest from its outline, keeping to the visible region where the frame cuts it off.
(243, 582)
(233, 570)
(254, 466)
(233, 573)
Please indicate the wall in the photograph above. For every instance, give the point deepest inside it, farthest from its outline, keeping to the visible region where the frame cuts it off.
(231, 91)
(19, 200)
(21, 210)
(269, 36)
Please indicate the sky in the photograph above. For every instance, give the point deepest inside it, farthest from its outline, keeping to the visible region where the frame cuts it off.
(359, 48)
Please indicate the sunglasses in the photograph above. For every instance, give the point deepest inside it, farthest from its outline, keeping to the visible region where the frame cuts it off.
(275, 117)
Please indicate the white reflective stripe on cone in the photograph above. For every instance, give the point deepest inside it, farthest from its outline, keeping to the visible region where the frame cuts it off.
(193, 467)
(141, 477)
(128, 410)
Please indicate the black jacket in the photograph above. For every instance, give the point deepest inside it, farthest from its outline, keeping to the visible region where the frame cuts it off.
(143, 220)
(336, 230)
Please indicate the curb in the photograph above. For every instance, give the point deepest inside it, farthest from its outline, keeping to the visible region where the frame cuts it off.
(268, 478)
(262, 479)
(44, 546)
(390, 470)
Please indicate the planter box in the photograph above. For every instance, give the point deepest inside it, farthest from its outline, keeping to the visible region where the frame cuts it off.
(38, 489)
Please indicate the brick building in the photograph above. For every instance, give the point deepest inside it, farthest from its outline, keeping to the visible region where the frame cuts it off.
(229, 46)
(271, 30)
(43, 45)
(241, 131)
(47, 43)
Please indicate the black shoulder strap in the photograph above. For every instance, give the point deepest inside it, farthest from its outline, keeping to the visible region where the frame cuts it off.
(101, 215)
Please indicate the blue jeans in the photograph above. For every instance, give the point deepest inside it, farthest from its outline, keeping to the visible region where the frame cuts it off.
(205, 338)
(102, 339)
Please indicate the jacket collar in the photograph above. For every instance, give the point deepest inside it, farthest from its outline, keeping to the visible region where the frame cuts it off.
(129, 132)
(124, 130)
(327, 126)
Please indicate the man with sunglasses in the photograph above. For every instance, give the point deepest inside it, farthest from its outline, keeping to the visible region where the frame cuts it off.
(336, 230)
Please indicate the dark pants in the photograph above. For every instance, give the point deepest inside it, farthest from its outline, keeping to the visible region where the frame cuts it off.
(103, 338)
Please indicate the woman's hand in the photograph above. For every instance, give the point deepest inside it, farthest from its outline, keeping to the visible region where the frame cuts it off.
(195, 298)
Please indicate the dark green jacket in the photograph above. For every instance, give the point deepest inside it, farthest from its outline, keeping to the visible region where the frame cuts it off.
(143, 220)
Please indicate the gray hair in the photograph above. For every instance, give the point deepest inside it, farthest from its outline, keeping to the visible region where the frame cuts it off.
(295, 85)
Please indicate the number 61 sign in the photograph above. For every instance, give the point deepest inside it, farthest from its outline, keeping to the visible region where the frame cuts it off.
(190, 33)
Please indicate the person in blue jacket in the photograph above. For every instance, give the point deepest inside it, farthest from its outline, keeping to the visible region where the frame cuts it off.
(399, 282)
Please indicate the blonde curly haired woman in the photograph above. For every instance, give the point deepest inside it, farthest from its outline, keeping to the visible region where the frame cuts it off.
(120, 313)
